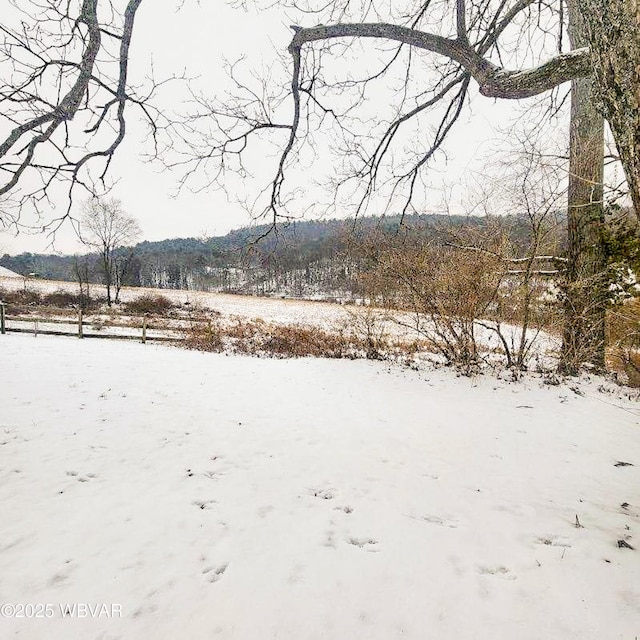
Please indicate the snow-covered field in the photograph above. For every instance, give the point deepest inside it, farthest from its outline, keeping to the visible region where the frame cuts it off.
(212, 496)
(269, 309)
(325, 315)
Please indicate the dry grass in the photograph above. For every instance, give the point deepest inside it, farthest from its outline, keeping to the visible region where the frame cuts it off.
(256, 337)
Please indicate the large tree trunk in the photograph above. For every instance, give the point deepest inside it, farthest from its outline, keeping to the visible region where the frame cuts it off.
(585, 302)
(612, 29)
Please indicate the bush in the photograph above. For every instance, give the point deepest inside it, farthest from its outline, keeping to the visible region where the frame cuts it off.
(623, 339)
(66, 299)
(368, 326)
(21, 297)
(295, 341)
(256, 337)
(59, 299)
(205, 337)
(149, 303)
(445, 289)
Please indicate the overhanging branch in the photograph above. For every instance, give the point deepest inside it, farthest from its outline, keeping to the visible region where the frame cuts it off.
(494, 81)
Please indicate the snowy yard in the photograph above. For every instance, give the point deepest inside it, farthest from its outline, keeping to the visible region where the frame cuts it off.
(214, 496)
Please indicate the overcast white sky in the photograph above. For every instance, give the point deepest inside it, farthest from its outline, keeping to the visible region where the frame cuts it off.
(195, 39)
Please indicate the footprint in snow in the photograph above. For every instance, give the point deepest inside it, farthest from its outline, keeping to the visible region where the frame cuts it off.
(215, 573)
(364, 543)
(204, 504)
(347, 509)
(263, 512)
(553, 541)
(324, 494)
(81, 478)
(213, 475)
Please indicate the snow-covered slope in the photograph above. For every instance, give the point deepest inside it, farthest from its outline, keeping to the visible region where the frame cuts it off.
(231, 497)
(7, 273)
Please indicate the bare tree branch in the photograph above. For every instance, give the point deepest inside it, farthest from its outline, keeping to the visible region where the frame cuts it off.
(494, 82)
(61, 106)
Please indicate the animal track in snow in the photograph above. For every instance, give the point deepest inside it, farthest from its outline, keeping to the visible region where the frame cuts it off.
(263, 512)
(553, 541)
(347, 509)
(324, 494)
(213, 475)
(363, 543)
(81, 478)
(215, 573)
(204, 504)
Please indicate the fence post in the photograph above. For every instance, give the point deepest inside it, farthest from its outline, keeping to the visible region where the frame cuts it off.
(3, 328)
(144, 330)
(80, 331)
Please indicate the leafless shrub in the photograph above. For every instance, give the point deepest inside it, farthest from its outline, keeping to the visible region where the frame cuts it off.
(256, 337)
(368, 325)
(623, 338)
(206, 336)
(295, 341)
(150, 303)
(473, 280)
(21, 296)
(446, 290)
(56, 300)
(64, 299)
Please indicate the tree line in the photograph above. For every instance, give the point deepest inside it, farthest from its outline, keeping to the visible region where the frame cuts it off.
(307, 258)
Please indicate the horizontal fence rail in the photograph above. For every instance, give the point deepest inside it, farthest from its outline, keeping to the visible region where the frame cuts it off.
(84, 328)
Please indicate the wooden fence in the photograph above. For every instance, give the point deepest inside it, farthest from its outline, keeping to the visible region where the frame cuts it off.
(80, 327)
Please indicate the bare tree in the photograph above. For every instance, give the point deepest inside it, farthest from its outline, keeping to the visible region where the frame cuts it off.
(106, 227)
(81, 273)
(64, 78)
(430, 55)
(65, 66)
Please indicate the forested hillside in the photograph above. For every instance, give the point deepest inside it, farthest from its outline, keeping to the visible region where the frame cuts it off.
(303, 259)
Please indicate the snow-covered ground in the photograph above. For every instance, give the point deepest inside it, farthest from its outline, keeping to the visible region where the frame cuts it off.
(213, 496)
(9, 275)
